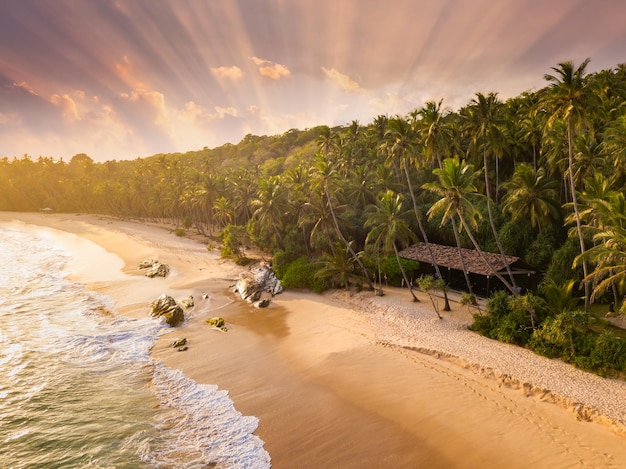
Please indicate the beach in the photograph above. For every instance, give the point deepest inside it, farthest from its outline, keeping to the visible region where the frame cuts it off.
(354, 380)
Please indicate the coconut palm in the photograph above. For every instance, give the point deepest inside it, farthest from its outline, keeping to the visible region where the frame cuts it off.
(488, 135)
(566, 99)
(609, 251)
(401, 146)
(270, 206)
(389, 227)
(531, 196)
(455, 186)
(324, 175)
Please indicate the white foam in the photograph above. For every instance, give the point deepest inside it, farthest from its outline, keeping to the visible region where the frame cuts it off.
(203, 425)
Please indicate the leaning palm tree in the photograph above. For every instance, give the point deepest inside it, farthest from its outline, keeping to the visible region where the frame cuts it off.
(324, 174)
(488, 135)
(400, 145)
(566, 98)
(455, 186)
(387, 220)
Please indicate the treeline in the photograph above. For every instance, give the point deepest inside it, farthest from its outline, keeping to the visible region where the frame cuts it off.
(541, 176)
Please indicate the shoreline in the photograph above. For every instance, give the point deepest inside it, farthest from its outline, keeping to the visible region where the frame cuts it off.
(337, 380)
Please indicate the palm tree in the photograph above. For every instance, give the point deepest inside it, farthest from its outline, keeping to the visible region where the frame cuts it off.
(609, 251)
(530, 196)
(389, 227)
(324, 174)
(455, 185)
(270, 206)
(483, 114)
(566, 98)
(401, 146)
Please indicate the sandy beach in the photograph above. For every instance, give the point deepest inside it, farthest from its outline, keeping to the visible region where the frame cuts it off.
(353, 381)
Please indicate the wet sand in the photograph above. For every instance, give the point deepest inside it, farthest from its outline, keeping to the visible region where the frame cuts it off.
(361, 381)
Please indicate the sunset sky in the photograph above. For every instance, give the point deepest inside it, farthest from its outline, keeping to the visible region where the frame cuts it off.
(125, 79)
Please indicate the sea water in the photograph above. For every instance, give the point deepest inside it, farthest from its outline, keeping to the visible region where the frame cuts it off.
(78, 387)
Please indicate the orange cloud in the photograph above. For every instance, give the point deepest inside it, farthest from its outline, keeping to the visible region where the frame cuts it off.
(233, 73)
(67, 105)
(344, 81)
(269, 69)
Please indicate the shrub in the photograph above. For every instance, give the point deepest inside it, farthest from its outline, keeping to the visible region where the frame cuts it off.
(180, 232)
(609, 352)
(301, 274)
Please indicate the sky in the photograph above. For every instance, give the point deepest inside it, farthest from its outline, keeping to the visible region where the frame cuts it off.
(122, 79)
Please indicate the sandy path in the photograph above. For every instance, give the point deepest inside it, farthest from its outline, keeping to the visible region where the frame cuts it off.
(335, 380)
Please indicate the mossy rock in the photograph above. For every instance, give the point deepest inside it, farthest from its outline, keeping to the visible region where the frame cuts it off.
(217, 322)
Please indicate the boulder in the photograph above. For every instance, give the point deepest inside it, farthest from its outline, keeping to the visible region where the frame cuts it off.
(262, 303)
(254, 282)
(158, 269)
(165, 306)
(187, 302)
(146, 263)
(218, 323)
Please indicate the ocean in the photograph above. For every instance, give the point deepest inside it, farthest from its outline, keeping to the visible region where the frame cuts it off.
(78, 388)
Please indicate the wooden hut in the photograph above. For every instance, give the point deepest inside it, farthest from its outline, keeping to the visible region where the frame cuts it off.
(483, 281)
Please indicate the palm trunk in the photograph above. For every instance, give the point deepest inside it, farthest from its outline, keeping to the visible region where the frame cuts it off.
(455, 230)
(579, 228)
(424, 236)
(406, 279)
(484, 259)
(492, 223)
(345, 241)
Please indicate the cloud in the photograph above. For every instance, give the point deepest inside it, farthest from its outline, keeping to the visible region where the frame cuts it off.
(233, 73)
(154, 101)
(67, 105)
(269, 69)
(10, 119)
(344, 81)
(225, 111)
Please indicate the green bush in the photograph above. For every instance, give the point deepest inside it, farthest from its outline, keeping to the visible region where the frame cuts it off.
(609, 352)
(180, 232)
(301, 274)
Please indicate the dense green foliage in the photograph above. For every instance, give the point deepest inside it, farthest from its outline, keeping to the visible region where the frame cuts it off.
(541, 176)
(564, 333)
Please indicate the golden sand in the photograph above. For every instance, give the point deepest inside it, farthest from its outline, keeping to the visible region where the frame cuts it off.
(337, 381)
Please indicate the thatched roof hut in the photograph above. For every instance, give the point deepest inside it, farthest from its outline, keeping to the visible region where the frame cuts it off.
(447, 257)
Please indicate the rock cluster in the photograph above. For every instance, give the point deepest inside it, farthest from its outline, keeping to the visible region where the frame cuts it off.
(157, 269)
(167, 307)
(258, 285)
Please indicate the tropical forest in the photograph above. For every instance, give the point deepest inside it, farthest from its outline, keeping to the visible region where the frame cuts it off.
(540, 176)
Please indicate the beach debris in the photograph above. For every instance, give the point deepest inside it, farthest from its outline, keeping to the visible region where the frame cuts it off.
(217, 322)
(179, 342)
(187, 302)
(157, 269)
(165, 306)
(254, 282)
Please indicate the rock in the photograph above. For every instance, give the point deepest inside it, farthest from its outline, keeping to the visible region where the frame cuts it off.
(165, 306)
(252, 283)
(179, 342)
(146, 263)
(217, 322)
(187, 302)
(262, 303)
(158, 269)
(183, 348)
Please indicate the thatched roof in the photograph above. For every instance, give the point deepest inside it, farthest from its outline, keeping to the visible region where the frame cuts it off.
(448, 256)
